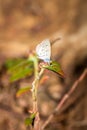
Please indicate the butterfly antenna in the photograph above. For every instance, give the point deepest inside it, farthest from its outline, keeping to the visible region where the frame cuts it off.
(55, 40)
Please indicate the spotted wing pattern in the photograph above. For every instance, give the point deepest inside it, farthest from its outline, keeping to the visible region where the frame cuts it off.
(43, 50)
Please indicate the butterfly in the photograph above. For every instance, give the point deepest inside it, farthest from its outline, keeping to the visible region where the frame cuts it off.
(43, 50)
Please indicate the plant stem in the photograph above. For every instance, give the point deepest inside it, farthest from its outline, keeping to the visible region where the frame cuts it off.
(35, 85)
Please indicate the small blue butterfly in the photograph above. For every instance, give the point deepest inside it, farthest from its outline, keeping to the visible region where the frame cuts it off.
(43, 50)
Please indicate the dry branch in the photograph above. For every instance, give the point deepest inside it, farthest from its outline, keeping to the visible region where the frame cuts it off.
(63, 100)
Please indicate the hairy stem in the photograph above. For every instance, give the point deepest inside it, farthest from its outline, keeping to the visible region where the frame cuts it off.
(35, 85)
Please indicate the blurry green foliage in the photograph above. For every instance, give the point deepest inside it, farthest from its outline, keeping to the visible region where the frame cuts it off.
(30, 120)
(19, 68)
(23, 90)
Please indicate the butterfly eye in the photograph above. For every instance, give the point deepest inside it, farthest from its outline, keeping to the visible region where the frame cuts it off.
(51, 63)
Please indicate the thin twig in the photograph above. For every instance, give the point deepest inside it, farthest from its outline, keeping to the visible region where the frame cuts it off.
(63, 100)
(55, 40)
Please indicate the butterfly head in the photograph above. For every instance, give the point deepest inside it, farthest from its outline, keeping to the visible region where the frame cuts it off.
(47, 60)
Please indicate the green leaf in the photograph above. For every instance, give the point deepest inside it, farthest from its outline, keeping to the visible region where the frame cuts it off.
(33, 115)
(55, 67)
(23, 90)
(29, 120)
(13, 62)
(21, 73)
(19, 69)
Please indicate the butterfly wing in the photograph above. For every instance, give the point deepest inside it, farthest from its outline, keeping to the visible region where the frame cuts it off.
(43, 50)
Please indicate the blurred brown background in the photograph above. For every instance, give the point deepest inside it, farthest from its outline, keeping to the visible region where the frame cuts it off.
(24, 24)
(27, 22)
